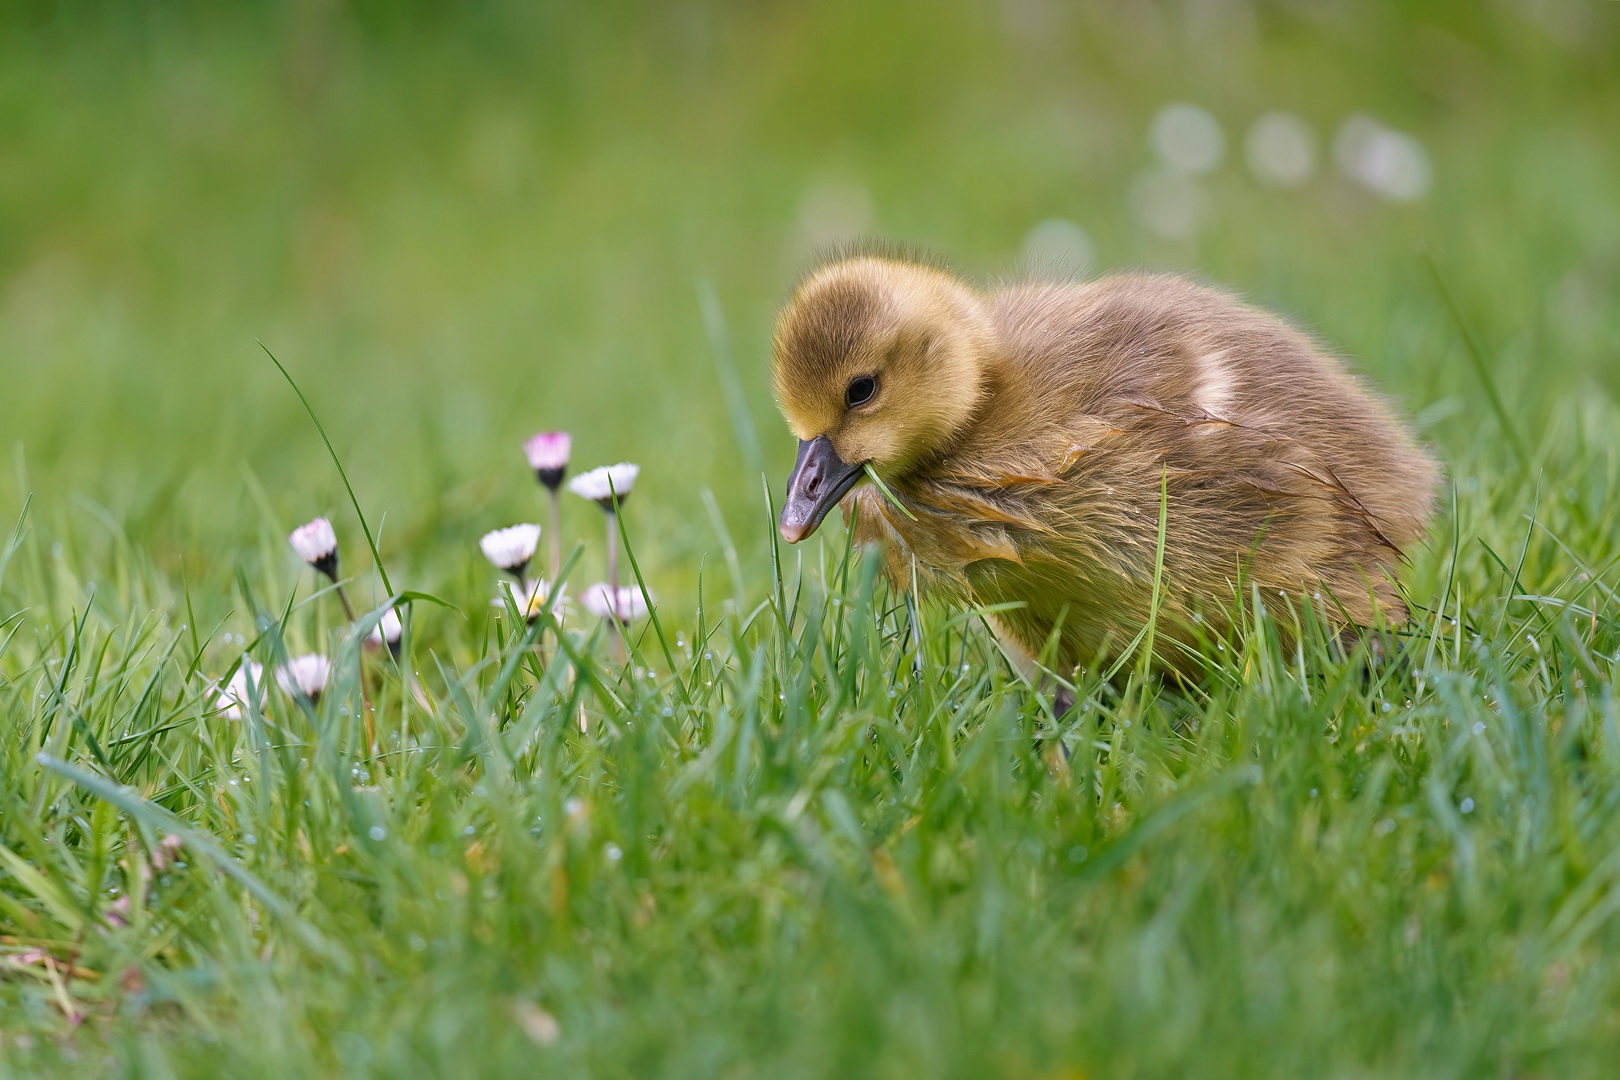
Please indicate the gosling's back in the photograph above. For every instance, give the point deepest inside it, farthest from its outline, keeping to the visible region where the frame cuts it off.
(1105, 400)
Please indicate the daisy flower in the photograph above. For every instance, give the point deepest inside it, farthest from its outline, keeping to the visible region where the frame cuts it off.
(316, 544)
(117, 912)
(511, 548)
(529, 598)
(606, 485)
(388, 631)
(167, 852)
(626, 604)
(305, 676)
(548, 456)
(245, 686)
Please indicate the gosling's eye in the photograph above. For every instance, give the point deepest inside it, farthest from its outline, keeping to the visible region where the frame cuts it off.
(860, 391)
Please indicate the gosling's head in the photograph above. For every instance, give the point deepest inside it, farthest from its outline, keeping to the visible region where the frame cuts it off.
(876, 362)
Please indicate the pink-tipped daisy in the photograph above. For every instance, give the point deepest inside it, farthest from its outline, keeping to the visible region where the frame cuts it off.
(511, 548)
(117, 913)
(388, 631)
(316, 544)
(626, 604)
(305, 676)
(606, 485)
(548, 456)
(244, 688)
(167, 852)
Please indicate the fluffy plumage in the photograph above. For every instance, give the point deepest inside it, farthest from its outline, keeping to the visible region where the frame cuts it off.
(1031, 430)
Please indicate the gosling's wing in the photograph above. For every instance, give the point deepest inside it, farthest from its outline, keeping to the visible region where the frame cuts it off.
(1085, 360)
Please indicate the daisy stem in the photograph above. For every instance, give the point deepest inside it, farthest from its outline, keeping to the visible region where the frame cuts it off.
(613, 584)
(348, 610)
(556, 535)
(365, 695)
(369, 714)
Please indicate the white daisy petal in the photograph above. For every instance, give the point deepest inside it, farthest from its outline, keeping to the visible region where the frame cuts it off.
(316, 544)
(511, 548)
(603, 483)
(627, 604)
(388, 631)
(548, 455)
(530, 601)
(389, 628)
(305, 676)
(244, 687)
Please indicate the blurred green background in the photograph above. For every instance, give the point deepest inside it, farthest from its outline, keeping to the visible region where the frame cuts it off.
(460, 223)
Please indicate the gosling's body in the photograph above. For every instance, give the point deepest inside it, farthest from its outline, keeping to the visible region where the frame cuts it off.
(1085, 408)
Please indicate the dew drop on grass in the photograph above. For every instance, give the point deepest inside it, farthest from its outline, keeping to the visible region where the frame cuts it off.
(613, 852)
(1078, 854)
(417, 942)
(468, 831)
(377, 832)
(1479, 727)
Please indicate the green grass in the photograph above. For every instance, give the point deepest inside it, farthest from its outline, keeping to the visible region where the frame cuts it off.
(806, 829)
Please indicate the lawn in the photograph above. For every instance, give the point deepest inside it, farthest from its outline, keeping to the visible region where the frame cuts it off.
(798, 823)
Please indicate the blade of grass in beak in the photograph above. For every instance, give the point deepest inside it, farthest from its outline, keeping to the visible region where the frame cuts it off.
(887, 494)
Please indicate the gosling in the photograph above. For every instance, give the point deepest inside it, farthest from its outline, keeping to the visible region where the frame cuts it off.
(1032, 438)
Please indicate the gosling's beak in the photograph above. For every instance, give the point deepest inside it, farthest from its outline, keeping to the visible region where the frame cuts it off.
(819, 479)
